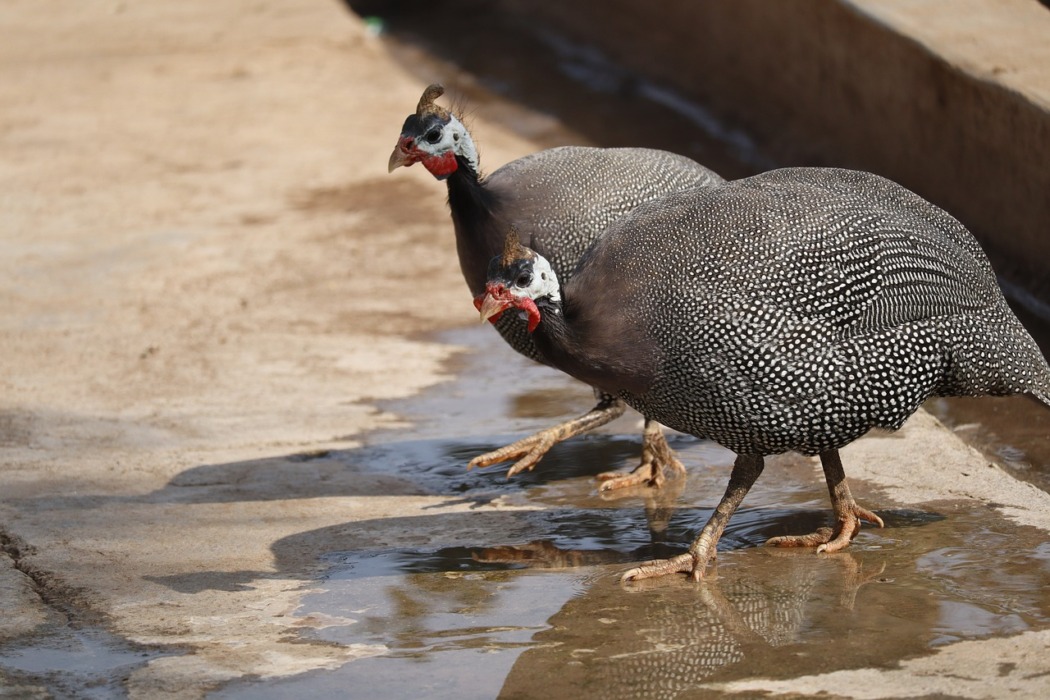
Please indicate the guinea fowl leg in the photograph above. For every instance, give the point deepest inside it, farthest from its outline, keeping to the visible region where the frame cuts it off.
(746, 470)
(847, 513)
(656, 456)
(528, 451)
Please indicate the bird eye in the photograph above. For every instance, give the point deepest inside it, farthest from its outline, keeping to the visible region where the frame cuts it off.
(524, 280)
(433, 136)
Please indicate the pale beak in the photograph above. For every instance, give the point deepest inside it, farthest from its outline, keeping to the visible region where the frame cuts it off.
(397, 159)
(490, 306)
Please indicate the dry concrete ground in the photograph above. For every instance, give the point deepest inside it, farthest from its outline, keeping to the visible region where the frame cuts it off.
(204, 262)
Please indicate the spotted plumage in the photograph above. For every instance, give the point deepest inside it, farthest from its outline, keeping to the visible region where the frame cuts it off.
(559, 201)
(808, 307)
(793, 310)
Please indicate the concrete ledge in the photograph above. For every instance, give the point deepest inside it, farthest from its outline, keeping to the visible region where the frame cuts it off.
(951, 98)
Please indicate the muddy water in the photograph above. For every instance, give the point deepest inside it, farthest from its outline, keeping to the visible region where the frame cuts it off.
(524, 599)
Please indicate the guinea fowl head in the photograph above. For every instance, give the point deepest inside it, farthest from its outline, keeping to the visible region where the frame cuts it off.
(434, 137)
(518, 278)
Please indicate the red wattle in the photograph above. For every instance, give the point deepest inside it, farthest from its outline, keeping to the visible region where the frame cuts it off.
(529, 307)
(499, 292)
(441, 166)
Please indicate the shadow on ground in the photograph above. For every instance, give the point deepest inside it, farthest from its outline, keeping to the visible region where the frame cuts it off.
(467, 570)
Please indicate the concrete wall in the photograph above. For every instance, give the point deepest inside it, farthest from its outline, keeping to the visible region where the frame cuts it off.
(948, 97)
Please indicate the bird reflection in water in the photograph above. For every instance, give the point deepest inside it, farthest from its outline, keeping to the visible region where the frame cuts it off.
(660, 506)
(667, 640)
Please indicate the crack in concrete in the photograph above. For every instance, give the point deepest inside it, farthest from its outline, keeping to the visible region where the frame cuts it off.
(58, 597)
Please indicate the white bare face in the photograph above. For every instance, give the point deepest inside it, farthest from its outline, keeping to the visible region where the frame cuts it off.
(454, 137)
(518, 284)
(537, 282)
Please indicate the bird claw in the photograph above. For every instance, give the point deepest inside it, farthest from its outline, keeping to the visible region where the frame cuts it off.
(821, 537)
(694, 563)
(683, 563)
(645, 474)
(849, 528)
(829, 540)
(615, 481)
(657, 457)
(528, 451)
(651, 473)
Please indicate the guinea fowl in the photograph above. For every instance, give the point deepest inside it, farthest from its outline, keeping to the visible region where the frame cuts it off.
(793, 310)
(559, 200)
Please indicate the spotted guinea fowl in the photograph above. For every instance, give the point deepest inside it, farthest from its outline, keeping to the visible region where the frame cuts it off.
(559, 200)
(793, 310)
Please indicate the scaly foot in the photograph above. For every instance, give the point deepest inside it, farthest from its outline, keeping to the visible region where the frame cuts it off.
(684, 563)
(826, 539)
(657, 456)
(847, 513)
(746, 470)
(528, 451)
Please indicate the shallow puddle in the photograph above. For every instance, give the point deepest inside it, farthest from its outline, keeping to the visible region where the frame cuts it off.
(524, 600)
(83, 662)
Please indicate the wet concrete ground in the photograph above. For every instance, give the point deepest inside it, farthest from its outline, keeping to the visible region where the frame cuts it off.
(525, 600)
(498, 588)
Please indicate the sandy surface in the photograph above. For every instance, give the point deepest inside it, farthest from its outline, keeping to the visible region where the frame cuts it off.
(206, 271)
(204, 262)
